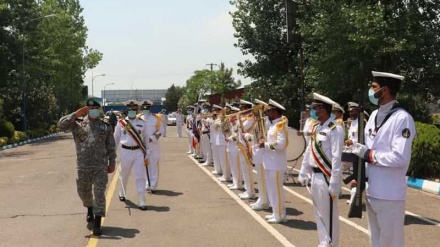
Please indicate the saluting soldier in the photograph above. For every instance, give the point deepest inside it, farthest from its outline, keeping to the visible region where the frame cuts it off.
(275, 160)
(154, 130)
(389, 134)
(131, 134)
(322, 160)
(95, 157)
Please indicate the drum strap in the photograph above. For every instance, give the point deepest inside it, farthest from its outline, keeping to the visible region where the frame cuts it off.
(319, 156)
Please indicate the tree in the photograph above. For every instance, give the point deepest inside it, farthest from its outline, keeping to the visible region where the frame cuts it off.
(172, 97)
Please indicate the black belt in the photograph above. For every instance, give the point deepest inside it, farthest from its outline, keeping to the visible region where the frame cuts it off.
(205, 132)
(130, 148)
(316, 170)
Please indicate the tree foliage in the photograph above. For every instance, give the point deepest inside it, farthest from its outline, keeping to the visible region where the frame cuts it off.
(55, 59)
(172, 97)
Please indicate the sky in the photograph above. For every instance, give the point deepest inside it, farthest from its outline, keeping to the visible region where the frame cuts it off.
(152, 44)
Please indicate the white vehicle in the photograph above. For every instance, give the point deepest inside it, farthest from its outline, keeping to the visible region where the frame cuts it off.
(171, 119)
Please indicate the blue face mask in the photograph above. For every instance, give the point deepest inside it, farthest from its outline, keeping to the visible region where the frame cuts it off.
(313, 114)
(373, 100)
(94, 113)
(146, 112)
(332, 116)
(131, 114)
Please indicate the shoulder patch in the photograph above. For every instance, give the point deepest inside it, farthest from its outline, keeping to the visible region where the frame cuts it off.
(406, 133)
(331, 125)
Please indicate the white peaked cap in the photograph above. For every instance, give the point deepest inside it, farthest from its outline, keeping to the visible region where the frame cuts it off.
(322, 98)
(228, 105)
(132, 102)
(352, 105)
(389, 75)
(217, 107)
(260, 102)
(338, 107)
(235, 109)
(276, 105)
(201, 101)
(244, 102)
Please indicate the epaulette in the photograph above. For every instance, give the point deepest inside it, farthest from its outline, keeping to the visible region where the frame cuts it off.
(282, 124)
(332, 125)
(139, 115)
(159, 117)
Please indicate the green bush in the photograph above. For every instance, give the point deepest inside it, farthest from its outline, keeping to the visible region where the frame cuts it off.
(425, 157)
(37, 133)
(6, 129)
(18, 137)
(53, 129)
(3, 141)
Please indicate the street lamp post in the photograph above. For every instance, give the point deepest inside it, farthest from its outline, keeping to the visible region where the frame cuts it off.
(93, 77)
(103, 104)
(23, 91)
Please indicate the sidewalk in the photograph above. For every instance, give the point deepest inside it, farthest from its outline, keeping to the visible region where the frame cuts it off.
(422, 184)
(29, 141)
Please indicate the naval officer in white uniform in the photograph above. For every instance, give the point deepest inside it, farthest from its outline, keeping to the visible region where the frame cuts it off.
(389, 134)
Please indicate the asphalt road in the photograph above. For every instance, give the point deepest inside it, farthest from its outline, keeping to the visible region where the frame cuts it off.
(39, 206)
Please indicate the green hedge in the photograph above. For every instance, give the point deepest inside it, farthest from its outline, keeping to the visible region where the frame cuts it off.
(425, 158)
(18, 137)
(6, 129)
(3, 141)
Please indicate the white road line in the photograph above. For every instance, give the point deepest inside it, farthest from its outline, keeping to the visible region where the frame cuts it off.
(246, 207)
(435, 223)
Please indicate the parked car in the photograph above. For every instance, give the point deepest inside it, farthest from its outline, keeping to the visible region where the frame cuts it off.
(171, 119)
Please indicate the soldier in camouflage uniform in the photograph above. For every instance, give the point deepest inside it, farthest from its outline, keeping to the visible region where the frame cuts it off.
(96, 156)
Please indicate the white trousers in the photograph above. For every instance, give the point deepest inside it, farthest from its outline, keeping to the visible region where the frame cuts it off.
(234, 162)
(206, 148)
(190, 136)
(164, 129)
(262, 189)
(215, 154)
(386, 222)
(275, 191)
(224, 162)
(153, 166)
(179, 129)
(133, 159)
(246, 172)
(321, 197)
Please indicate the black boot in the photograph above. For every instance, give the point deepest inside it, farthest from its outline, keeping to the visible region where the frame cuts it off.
(90, 216)
(97, 226)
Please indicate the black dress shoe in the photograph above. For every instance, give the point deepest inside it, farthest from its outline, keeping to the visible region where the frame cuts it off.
(90, 217)
(143, 208)
(121, 198)
(97, 226)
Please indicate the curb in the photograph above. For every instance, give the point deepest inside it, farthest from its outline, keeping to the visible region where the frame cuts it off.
(422, 184)
(29, 141)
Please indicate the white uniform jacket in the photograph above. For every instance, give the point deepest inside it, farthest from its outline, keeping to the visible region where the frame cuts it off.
(331, 142)
(233, 138)
(154, 128)
(122, 137)
(179, 119)
(390, 152)
(353, 131)
(220, 137)
(274, 156)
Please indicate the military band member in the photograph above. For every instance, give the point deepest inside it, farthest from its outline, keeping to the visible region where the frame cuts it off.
(257, 158)
(308, 125)
(179, 122)
(322, 160)
(215, 132)
(206, 135)
(155, 130)
(338, 112)
(232, 152)
(96, 156)
(275, 160)
(189, 125)
(389, 134)
(246, 125)
(131, 134)
(220, 144)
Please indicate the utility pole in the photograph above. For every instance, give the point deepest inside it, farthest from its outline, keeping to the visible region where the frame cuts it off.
(212, 65)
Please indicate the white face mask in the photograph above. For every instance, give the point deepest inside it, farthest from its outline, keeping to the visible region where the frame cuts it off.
(94, 113)
(146, 112)
(131, 114)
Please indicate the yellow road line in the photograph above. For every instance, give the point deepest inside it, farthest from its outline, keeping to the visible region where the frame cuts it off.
(93, 240)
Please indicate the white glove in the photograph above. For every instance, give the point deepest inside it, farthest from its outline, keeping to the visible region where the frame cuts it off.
(359, 149)
(303, 179)
(334, 189)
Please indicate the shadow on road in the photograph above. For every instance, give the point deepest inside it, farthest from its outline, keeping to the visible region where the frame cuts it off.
(411, 220)
(300, 224)
(167, 193)
(132, 205)
(115, 233)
